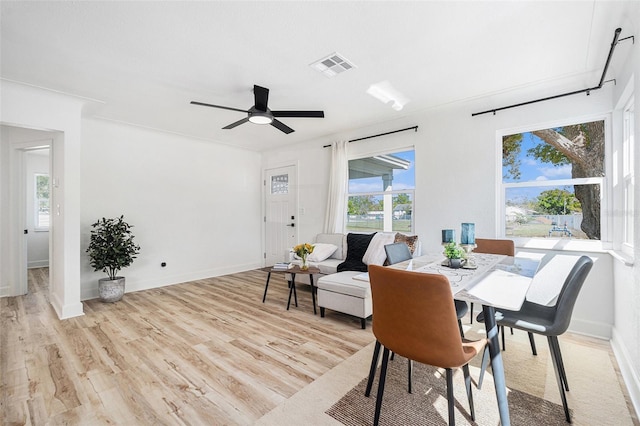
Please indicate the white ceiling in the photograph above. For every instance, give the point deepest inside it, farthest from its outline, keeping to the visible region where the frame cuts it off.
(145, 61)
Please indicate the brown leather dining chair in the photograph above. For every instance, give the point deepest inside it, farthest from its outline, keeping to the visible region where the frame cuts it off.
(415, 317)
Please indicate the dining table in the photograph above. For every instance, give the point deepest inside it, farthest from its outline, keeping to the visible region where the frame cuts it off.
(494, 281)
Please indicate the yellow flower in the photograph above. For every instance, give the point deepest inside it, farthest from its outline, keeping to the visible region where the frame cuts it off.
(303, 249)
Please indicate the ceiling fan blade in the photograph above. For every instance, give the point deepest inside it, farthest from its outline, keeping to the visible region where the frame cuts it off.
(281, 126)
(261, 96)
(237, 123)
(218, 106)
(299, 114)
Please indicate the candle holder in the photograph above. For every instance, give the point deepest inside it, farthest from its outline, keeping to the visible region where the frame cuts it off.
(468, 248)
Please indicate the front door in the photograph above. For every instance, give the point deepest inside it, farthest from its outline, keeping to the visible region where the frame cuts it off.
(280, 213)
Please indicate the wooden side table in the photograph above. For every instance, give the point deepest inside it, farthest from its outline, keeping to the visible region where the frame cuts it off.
(292, 287)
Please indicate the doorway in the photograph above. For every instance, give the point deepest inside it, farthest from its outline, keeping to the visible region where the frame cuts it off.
(27, 163)
(281, 219)
(37, 210)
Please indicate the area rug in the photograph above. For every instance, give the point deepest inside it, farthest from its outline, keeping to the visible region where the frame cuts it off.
(427, 405)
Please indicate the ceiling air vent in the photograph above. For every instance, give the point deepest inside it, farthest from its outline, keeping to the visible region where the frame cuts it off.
(332, 65)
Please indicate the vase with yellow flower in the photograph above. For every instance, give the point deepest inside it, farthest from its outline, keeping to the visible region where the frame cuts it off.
(303, 251)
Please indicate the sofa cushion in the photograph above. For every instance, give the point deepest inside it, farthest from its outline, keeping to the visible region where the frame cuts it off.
(375, 254)
(344, 283)
(327, 266)
(356, 248)
(339, 240)
(409, 240)
(321, 251)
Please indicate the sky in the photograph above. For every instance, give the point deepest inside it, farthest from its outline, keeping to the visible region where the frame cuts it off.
(532, 169)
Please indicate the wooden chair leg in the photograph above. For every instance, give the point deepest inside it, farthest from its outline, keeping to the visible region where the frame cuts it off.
(372, 370)
(556, 367)
(450, 400)
(383, 375)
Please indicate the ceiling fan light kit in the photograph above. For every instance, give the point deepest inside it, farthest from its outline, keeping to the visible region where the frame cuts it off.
(259, 113)
(259, 117)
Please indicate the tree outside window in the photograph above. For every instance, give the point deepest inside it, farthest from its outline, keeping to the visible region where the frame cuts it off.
(552, 181)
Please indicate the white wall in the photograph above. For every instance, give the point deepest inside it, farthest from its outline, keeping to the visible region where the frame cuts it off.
(626, 332)
(37, 240)
(34, 108)
(194, 204)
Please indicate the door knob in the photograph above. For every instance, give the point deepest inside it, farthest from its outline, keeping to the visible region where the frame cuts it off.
(292, 225)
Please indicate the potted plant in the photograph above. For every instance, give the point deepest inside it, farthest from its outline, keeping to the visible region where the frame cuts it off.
(454, 253)
(111, 248)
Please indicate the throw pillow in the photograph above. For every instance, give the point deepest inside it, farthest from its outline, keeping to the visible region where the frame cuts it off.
(321, 251)
(409, 240)
(356, 247)
(375, 254)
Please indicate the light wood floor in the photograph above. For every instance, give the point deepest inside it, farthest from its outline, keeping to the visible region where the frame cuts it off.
(207, 352)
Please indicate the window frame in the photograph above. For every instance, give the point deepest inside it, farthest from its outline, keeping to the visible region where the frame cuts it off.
(37, 227)
(627, 176)
(392, 192)
(606, 189)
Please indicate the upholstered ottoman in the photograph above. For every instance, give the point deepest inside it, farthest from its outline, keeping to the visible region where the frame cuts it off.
(341, 292)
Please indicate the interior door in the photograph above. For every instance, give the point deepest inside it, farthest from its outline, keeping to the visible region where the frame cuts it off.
(281, 217)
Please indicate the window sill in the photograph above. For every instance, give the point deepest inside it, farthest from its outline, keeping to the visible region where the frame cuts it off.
(560, 244)
(621, 257)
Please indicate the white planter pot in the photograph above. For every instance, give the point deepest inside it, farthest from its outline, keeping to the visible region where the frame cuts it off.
(111, 290)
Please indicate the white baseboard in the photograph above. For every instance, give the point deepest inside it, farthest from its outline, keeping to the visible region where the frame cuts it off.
(91, 291)
(66, 311)
(591, 328)
(38, 264)
(629, 375)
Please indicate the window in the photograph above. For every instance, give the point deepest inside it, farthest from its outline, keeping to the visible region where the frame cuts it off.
(380, 193)
(627, 172)
(552, 181)
(41, 218)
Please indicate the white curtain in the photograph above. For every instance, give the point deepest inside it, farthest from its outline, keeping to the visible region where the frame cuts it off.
(338, 178)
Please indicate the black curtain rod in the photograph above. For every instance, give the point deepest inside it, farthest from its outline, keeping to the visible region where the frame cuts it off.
(380, 134)
(575, 92)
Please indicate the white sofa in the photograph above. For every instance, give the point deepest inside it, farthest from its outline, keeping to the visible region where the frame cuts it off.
(330, 265)
(339, 291)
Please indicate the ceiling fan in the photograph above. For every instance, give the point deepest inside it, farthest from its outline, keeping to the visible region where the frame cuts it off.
(259, 113)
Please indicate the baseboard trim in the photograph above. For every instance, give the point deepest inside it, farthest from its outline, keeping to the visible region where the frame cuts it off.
(66, 311)
(630, 377)
(591, 328)
(38, 264)
(91, 291)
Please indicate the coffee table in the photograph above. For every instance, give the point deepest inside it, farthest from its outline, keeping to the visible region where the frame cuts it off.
(292, 286)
